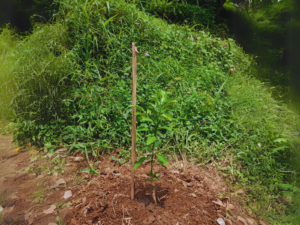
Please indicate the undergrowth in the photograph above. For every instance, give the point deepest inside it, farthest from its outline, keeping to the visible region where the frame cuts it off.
(73, 86)
(8, 44)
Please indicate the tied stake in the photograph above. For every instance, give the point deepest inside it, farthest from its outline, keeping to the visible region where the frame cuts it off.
(133, 140)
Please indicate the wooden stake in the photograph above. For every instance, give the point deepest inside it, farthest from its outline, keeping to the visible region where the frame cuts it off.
(133, 141)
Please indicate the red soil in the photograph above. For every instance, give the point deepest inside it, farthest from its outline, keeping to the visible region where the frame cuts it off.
(190, 197)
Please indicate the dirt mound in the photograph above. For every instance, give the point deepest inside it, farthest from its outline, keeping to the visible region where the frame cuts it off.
(191, 197)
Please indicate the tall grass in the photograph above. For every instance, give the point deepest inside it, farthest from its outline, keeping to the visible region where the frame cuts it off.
(33, 75)
(8, 58)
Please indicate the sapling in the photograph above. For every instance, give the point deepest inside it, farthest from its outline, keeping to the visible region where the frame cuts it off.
(154, 117)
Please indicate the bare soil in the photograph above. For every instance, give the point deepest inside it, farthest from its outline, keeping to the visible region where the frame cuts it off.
(186, 194)
(24, 196)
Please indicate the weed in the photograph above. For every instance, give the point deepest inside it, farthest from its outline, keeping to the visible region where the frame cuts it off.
(59, 221)
(39, 195)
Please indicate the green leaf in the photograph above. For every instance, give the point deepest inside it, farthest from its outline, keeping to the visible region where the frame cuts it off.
(138, 163)
(154, 99)
(27, 169)
(151, 139)
(142, 129)
(161, 163)
(96, 163)
(93, 171)
(164, 128)
(141, 114)
(162, 158)
(280, 140)
(146, 119)
(278, 149)
(170, 103)
(114, 158)
(155, 177)
(229, 212)
(167, 117)
(107, 21)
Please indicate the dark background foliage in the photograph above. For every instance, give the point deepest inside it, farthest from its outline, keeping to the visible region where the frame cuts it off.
(19, 12)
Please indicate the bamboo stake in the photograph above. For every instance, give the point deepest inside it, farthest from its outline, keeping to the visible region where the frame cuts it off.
(133, 141)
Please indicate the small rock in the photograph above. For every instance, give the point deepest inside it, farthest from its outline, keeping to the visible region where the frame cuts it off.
(193, 195)
(50, 210)
(67, 194)
(220, 221)
(61, 181)
(78, 159)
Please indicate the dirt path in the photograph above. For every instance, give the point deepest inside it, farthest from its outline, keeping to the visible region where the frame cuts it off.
(33, 185)
(26, 195)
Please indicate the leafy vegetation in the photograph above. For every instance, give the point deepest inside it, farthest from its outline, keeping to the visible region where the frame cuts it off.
(8, 43)
(270, 31)
(71, 84)
(157, 113)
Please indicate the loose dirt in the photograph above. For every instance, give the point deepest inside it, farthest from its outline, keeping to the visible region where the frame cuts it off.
(25, 197)
(186, 194)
